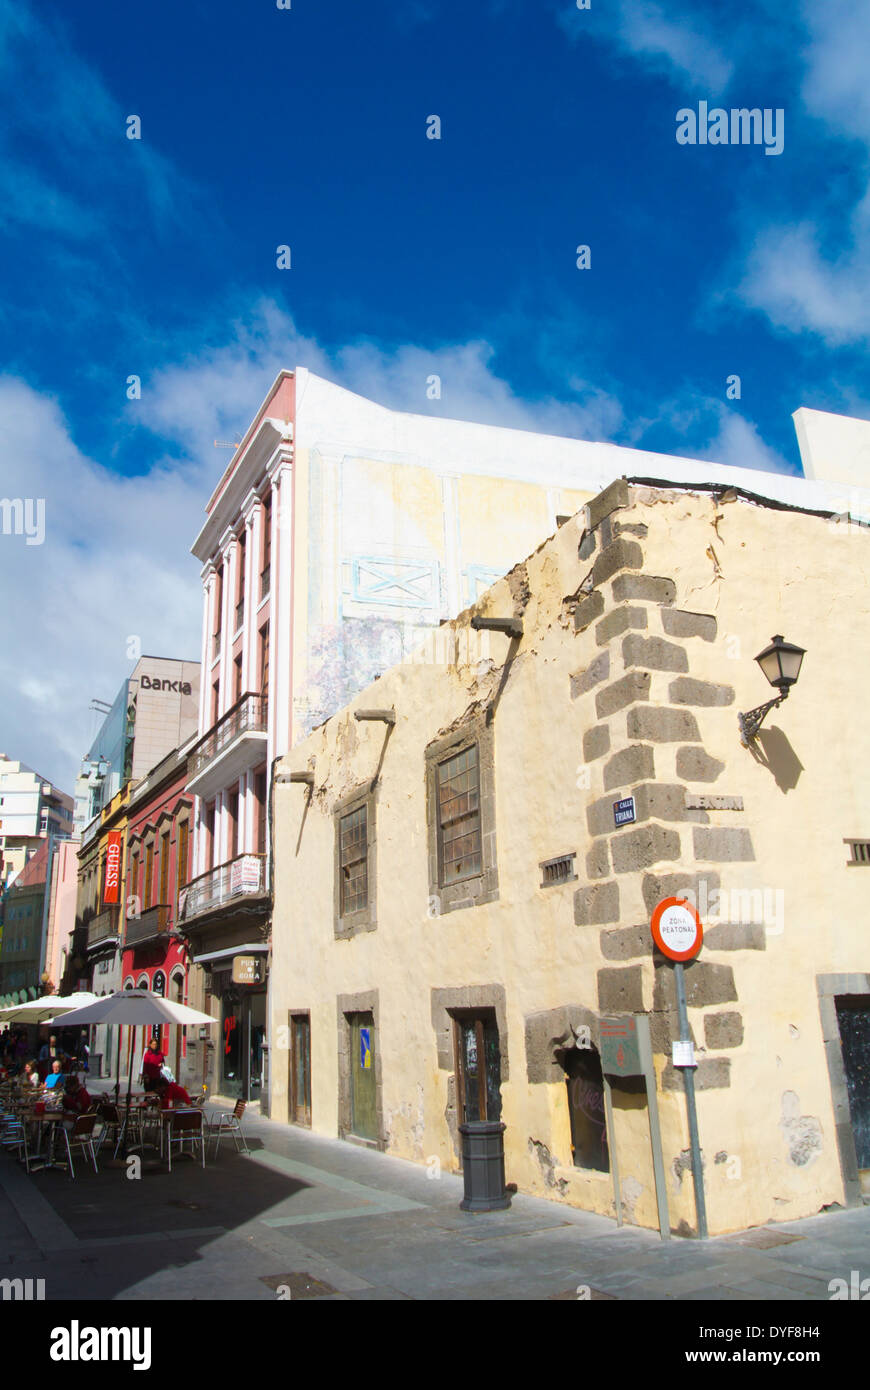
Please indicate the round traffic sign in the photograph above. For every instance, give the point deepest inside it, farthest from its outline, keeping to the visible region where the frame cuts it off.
(676, 929)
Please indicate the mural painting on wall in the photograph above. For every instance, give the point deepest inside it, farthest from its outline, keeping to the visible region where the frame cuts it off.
(345, 657)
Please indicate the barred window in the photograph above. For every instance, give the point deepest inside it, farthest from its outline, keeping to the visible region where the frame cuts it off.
(354, 861)
(459, 837)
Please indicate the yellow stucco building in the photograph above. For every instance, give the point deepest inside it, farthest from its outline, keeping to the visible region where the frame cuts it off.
(456, 908)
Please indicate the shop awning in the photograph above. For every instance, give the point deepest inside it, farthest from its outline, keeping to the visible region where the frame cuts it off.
(227, 954)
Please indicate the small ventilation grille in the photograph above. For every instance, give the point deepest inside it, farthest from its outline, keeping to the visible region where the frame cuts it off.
(559, 870)
(860, 852)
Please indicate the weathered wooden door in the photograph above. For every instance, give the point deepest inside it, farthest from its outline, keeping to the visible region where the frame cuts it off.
(301, 1063)
(364, 1115)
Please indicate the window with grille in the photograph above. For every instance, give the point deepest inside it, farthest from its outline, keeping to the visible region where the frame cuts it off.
(560, 870)
(459, 838)
(353, 862)
(860, 851)
(460, 817)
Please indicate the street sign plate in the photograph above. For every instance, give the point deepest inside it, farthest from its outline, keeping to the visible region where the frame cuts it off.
(620, 1046)
(676, 929)
(624, 811)
(247, 970)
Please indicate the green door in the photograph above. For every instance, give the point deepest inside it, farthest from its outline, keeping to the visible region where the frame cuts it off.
(364, 1115)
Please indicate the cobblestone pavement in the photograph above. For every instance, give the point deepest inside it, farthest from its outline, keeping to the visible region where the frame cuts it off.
(330, 1220)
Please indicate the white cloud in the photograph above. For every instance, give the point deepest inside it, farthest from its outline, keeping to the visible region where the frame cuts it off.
(68, 116)
(198, 400)
(681, 47)
(737, 443)
(672, 45)
(115, 561)
(835, 86)
(788, 278)
(790, 273)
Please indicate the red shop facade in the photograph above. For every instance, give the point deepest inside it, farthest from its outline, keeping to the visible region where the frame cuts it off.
(159, 857)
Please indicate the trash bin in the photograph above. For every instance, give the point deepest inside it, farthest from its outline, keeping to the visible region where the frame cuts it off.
(483, 1166)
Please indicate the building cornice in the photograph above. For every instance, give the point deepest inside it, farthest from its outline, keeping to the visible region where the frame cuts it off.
(248, 477)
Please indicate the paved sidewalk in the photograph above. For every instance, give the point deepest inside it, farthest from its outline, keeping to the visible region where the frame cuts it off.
(327, 1219)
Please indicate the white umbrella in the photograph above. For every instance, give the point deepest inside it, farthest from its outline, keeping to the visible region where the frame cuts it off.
(46, 1009)
(134, 1008)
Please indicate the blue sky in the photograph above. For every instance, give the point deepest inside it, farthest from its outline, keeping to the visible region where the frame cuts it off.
(308, 127)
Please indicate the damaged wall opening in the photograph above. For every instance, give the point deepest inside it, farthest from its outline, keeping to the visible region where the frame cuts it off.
(853, 1018)
(585, 1084)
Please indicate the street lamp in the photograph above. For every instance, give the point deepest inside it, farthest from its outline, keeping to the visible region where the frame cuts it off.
(781, 664)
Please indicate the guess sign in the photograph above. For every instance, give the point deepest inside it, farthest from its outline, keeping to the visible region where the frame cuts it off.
(113, 867)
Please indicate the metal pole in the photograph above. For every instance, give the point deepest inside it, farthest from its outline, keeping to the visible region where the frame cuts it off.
(611, 1140)
(689, 1079)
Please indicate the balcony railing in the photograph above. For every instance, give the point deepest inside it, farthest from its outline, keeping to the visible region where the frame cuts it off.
(248, 715)
(104, 927)
(242, 877)
(265, 580)
(154, 921)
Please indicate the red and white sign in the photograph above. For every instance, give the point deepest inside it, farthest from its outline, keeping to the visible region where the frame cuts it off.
(676, 929)
(113, 867)
(245, 874)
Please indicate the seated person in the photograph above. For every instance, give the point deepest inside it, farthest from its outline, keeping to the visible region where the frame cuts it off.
(76, 1101)
(55, 1076)
(30, 1075)
(171, 1093)
(50, 1052)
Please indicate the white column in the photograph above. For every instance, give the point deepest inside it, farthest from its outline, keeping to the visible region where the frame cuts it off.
(247, 812)
(281, 626)
(220, 829)
(199, 842)
(251, 580)
(227, 620)
(255, 542)
(275, 618)
(205, 669)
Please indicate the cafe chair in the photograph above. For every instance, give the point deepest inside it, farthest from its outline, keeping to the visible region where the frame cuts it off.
(185, 1127)
(32, 1161)
(110, 1118)
(230, 1124)
(81, 1136)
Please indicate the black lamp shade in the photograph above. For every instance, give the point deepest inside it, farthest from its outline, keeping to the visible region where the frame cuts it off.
(781, 662)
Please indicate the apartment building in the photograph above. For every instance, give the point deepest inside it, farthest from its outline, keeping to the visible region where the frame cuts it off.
(339, 536)
(469, 858)
(31, 810)
(155, 710)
